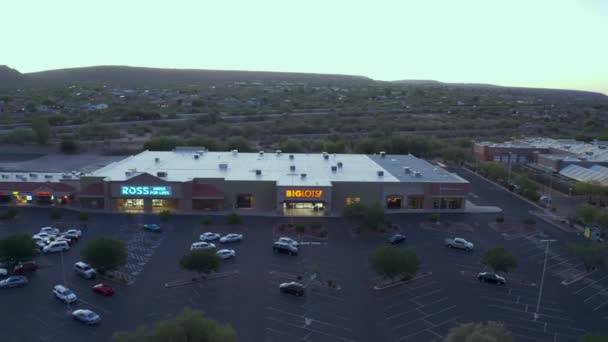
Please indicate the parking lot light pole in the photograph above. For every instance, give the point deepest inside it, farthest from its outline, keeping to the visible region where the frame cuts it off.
(542, 278)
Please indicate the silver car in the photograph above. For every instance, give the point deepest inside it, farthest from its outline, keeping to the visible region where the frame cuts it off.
(231, 238)
(13, 281)
(226, 253)
(86, 316)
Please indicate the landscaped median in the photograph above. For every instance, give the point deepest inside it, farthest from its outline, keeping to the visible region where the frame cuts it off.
(181, 282)
(392, 283)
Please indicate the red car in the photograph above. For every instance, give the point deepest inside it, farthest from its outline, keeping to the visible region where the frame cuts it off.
(103, 290)
(25, 267)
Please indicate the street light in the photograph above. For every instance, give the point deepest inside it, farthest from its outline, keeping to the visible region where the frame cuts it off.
(542, 279)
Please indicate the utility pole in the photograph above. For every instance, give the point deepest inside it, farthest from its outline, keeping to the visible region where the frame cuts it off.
(509, 178)
(542, 279)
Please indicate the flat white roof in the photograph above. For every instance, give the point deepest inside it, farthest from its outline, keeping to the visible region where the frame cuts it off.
(181, 166)
(53, 177)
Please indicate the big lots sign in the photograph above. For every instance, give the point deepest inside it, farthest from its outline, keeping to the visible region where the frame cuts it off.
(308, 193)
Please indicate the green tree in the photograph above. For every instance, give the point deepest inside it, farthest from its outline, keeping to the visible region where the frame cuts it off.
(68, 146)
(591, 337)
(500, 260)
(190, 325)
(42, 129)
(164, 215)
(201, 261)
(9, 214)
(456, 155)
(291, 146)
(207, 221)
(591, 254)
(238, 143)
(83, 217)
(391, 262)
(495, 171)
(233, 219)
(105, 254)
(162, 144)
(365, 215)
(21, 136)
(478, 332)
(17, 247)
(587, 214)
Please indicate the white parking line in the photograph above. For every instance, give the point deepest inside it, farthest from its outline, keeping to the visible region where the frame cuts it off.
(327, 296)
(530, 313)
(425, 295)
(591, 283)
(326, 313)
(404, 313)
(308, 316)
(427, 329)
(311, 330)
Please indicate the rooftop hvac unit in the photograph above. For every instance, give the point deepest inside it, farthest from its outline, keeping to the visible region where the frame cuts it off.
(161, 174)
(258, 172)
(261, 153)
(196, 156)
(417, 174)
(235, 152)
(407, 169)
(67, 176)
(326, 156)
(291, 156)
(4, 176)
(601, 147)
(589, 153)
(380, 173)
(340, 164)
(223, 166)
(200, 152)
(334, 168)
(48, 176)
(292, 167)
(33, 175)
(382, 154)
(156, 160)
(278, 152)
(302, 175)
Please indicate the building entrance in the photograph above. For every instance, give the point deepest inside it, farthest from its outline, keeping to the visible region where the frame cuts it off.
(130, 205)
(291, 208)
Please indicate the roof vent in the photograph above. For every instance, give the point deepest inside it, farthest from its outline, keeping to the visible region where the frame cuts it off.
(334, 168)
(235, 152)
(380, 173)
(589, 153)
(326, 156)
(200, 152)
(33, 175)
(48, 176)
(417, 174)
(261, 153)
(291, 156)
(196, 156)
(601, 147)
(161, 174)
(567, 147)
(292, 167)
(156, 160)
(407, 169)
(258, 172)
(302, 175)
(278, 152)
(4, 176)
(223, 166)
(382, 154)
(340, 164)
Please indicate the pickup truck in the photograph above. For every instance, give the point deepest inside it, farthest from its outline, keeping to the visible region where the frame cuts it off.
(459, 243)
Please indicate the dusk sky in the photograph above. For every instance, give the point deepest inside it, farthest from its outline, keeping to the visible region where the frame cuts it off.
(533, 43)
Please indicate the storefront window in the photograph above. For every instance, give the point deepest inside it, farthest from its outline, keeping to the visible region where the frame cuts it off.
(415, 202)
(352, 200)
(447, 203)
(244, 201)
(393, 202)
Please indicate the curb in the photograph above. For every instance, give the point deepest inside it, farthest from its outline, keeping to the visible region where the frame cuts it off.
(576, 278)
(393, 284)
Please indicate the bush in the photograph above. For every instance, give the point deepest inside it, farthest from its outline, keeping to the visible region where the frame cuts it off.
(500, 219)
(433, 217)
(55, 214)
(300, 228)
(233, 219)
(316, 225)
(9, 214)
(207, 221)
(323, 233)
(68, 146)
(129, 217)
(529, 221)
(164, 215)
(83, 217)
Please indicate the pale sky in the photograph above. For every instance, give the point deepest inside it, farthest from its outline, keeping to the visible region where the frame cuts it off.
(535, 43)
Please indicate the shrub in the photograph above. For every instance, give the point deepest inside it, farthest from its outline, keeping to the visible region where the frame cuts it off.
(316, 225)
(207, 221)
(55, 214)
(300, 228)
(233, 219)
(9, 214)
(129, 217)
(500, 219)
(164, 215)
(83, 217)
(529, 221)
(323, 233)
(433, 217)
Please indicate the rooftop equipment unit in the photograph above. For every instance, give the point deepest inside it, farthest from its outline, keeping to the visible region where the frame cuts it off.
(380, 173)
(291, 156)
(292, 167)
(258, 172)
(235, 152)
(302, 175)
(278, 152)
(261, 153)
(589, 153)
(339, 164)
(601, 147)
(223, 166)
(66, 176)
(48, 176)
(4, 176)
(326, 156)
(156, 160)
(161, 174)
(201, 152)
(33, 175)
(417, 174)
(196, 156)
(407, 169)
(382, 154)
(334, 168)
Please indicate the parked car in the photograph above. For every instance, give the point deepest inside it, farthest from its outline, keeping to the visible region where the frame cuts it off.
(40, 244)
(13, 281)
(42, 236)
(487, 277)
(282, 247)
(201, 245)
(289, 241)
(86, 316)
(231, 238)
(84, 270)
(56, 246)
(396, 239)
(3, 272)
(77, 234)
(72, 237)
(226, 253)
(64, 294)
(25, 267)
(103, 289)
(66, 239)
(293, 288)
(209, 236)
(459, 243)
(50, 230)
(153, 227)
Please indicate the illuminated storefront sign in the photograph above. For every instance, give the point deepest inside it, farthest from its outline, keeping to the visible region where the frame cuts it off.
(145, 190)
(303, 193)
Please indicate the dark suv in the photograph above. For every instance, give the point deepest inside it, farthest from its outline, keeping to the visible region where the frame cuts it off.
(282, 247)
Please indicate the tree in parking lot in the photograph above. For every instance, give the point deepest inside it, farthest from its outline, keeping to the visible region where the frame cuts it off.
(190, 325)
(233, 219)
(473, 332)
(365, 215)
(391, 262)
(105, 254)
(201, 261)
(17, 247)
(9, 214)
(590, 337)
(500, 260)
(592, 254)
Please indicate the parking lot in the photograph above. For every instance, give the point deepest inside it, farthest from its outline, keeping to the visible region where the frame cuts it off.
(340, 303)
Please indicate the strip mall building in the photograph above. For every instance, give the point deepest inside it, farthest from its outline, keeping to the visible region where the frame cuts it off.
(194, 180)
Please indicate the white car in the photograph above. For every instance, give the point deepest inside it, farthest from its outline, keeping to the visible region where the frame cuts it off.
(289, 241)
(84, 270)
(74, 232)
(3, 272)
(86, 316)
(226, 253)
(42, 236)
(231, 238)
(209, 236)
(201, 245)
(64, 294)
(50, 230)
(56, 246)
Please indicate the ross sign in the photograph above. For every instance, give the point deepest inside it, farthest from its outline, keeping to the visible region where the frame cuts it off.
(163, 191)
(303, 193)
